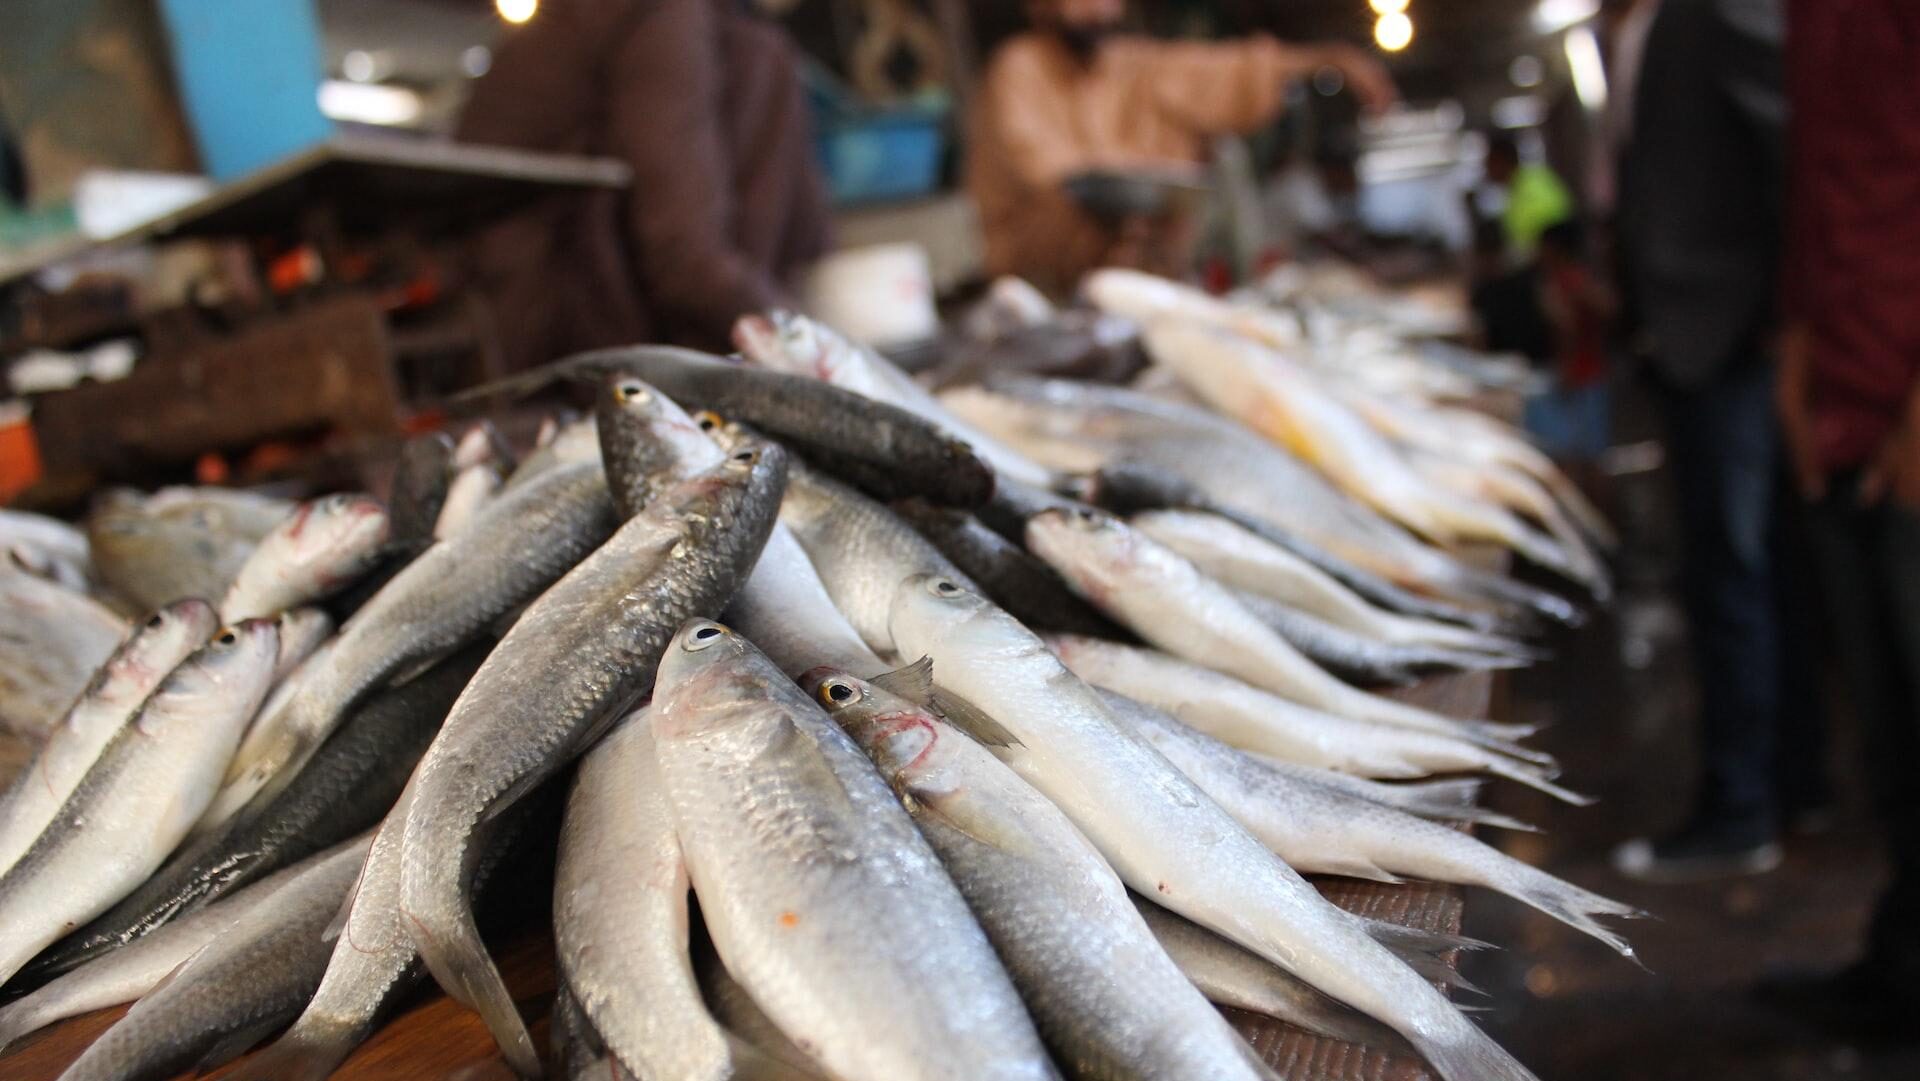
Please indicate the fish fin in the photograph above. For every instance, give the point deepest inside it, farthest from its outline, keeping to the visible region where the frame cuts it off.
(1566, 902)
(1462, 1052)
(914, 682)
(238, 1042)
(973, 720)
(1533, 778)
(1354, 866)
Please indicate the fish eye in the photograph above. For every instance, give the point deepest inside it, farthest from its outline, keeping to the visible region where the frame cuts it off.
(630, 392)
(746, 455)
(156, 622)
(708, 420)
(227, 637)
(835, 692)
(943, 587)
(704, 636)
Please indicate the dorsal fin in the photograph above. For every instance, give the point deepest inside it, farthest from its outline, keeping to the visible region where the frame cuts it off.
(913, 682)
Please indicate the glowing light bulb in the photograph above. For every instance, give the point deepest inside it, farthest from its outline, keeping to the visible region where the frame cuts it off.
(1393, 32)
(516, 11)
(1387, 7)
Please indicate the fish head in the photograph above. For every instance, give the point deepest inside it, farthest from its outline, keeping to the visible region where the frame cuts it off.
(707, 668)
(226, 676)
(929, 609)
(158, 644)
(643, 433)
(788, 342)
(478, 445)
(1093, 550)
(332, 538)
(301, 632)
(899, 735)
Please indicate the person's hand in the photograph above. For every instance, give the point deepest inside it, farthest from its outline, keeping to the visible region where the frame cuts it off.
(1895, 471)
(1366, 75)
(1792, 399)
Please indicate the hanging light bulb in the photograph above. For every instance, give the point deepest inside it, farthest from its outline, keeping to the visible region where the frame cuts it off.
(1393, 32)
(1387, 7)
(516, 11)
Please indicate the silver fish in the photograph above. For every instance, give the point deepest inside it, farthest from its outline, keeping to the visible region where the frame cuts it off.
(139, 797)
(244, 985)
(178, 542)
(123, 682)
(1104, 994)
(322, 546)
(52, 640)
(580, 654)
(56, 548)
(1163, 835)
(821, 897)
(1358, 658)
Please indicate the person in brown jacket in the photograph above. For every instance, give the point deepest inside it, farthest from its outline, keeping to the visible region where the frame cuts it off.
(703, 101)
(1071, 97)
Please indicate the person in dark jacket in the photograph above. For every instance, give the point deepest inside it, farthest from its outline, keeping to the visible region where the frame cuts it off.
(1699, 233)
(703, 101)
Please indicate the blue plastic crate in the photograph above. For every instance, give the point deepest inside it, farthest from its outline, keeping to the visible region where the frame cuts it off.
(249, 74)
(882, 156)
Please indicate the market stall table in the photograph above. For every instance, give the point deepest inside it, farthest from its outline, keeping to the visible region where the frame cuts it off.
(436, 1038)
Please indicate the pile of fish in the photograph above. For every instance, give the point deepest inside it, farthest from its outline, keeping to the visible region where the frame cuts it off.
(1030, 706)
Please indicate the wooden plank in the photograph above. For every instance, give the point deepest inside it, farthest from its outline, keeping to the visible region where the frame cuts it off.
(436, 1038)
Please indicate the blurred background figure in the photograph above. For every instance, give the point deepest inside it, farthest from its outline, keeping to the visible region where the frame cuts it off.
(1698, 229)
(703, 101)
(1525, 197)
(1850, 410)
(1573, 419)
(1074, 97)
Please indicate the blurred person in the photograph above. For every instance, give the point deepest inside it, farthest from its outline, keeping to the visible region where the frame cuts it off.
(1574, 417)
(1506, 299)
(1699, 235)
(1527, 197)
(1074, 95)
(702, 100)
(1849, 402)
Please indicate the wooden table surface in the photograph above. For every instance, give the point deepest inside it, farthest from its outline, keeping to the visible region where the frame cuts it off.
(437, 1039)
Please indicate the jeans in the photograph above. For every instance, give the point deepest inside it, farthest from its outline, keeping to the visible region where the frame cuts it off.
(1869, 563)
(1723, 446)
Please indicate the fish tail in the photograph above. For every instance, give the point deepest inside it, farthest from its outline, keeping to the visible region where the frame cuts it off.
(1564, 901)
(1427, 953)
(1444, 798)
(1459, 1051)
(437, 916)
(1501, 739)
(1534, 778)
(300, 1055)
(1580, 508)
(1499, 588)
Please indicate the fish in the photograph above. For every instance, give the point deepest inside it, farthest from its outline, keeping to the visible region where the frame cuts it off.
(621, 923)
(1170, 604)
(132, 971)
(789, 342)
(422, 474)
(860, 549)
(146, 788)
(178, 542)
(577, 440)
(1104, 995)
(1523, 495)
(241, 987)
(52, 641)
(889, 451)
(1317, 829)
(785, 609)
(742, 1016)
(579, 656)
(139, 664)
(1079, 426)
(302, 632)
(1289, 405)
(1359, 659)
(1163, 836)
(1230, 975)
(57, 549)
(1257, 721)
(348, 787)
(451, 594)
(821, 897)
(472, 488)
(321, 547)
(1010, 574)
(1237, 557)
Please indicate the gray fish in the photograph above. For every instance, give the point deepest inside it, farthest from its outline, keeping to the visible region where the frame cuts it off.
(744, 1017)
(887, 450)
(140, 796)
(122, 683)
(581, 653)
(621, 922)
(244, 985)
(137, 968)
(1105, 996)
(448, 596)
(577, 440)
(1015, 580)
(52, 641)
(348, 786)
(323, 546)
(1359, 659)
(821, 897)
(56, 549)
(860, 549)
(420, 480)
(1231, 976)
(178, 542)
